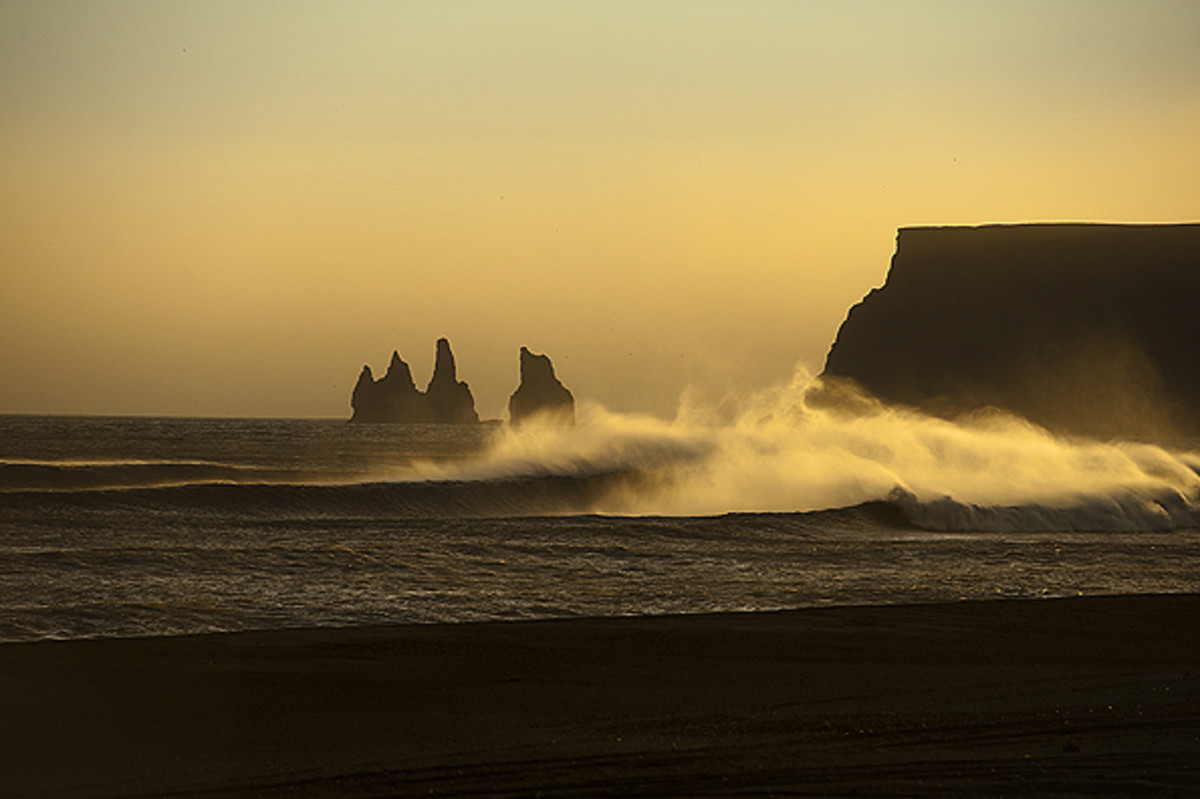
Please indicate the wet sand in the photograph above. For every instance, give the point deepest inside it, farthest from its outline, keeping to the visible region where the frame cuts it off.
(1077, 697)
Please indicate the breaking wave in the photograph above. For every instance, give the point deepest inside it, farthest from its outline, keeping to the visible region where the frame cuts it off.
(790, 450)
(803, 447)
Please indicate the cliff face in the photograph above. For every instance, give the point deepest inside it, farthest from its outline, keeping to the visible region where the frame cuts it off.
(540, 392)
(1090, 329)
(395, 398)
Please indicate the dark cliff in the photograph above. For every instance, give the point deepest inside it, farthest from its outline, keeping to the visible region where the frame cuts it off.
(540, 393)
(395, 398)
(1089, 329)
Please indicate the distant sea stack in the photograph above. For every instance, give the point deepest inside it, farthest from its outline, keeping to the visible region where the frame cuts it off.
(395, 398)
(1090, 329)
(450, 400)
(540, 393)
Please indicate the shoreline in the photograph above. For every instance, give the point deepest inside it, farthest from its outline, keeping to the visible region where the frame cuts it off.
(1079, 695)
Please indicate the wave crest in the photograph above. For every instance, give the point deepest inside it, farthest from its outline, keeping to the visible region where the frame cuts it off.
(792, 450)
(1126, 512)
(797, 448)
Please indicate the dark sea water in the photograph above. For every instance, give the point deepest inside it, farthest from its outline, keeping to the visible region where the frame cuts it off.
(145, 526)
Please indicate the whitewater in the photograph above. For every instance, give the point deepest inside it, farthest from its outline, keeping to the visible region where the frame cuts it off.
(130, 526)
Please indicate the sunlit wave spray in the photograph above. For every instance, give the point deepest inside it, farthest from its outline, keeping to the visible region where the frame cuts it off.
(807, 446)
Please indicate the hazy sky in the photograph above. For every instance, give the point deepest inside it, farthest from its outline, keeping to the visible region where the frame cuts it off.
(226, 208)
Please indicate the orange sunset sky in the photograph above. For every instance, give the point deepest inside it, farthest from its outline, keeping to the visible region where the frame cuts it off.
(226, 208)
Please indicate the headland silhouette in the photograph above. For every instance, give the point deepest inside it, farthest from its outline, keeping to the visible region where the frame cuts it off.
(1082, 328)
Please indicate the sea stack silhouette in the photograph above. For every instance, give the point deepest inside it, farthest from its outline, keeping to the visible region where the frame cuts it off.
(1091, 329)
(394, 397)
(540, 393)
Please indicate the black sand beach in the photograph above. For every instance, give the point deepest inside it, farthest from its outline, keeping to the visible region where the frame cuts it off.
(1078, 696)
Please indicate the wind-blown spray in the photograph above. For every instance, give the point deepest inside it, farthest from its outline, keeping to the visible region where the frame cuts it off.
(791, 449)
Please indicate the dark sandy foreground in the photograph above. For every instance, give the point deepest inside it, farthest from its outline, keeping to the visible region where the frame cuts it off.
(1079, 697)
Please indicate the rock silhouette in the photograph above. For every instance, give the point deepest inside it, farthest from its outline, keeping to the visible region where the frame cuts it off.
(395, 398)
(449, 398)
(1090, 329)
(540, 393)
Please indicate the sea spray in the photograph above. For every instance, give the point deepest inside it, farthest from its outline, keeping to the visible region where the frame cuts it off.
(790, 449)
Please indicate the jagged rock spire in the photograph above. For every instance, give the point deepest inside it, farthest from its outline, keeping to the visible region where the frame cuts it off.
(540, 392)
(395, 398)
(450, 399)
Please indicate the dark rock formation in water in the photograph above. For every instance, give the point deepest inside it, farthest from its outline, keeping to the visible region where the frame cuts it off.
(395, 398)
(540, 393)
(1091, 329)
(449, 398)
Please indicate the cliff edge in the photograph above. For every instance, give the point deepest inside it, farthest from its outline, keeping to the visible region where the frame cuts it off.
(1084, 328)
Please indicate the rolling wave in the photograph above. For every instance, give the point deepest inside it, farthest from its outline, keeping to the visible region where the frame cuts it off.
(90, 475)
(543, 495)
(614, 492)
(782, 455)
(1126, 512)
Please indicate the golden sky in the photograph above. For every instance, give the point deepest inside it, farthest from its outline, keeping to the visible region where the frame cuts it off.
(226, 208)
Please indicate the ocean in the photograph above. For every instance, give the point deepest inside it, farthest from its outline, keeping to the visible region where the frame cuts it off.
(132, 526)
